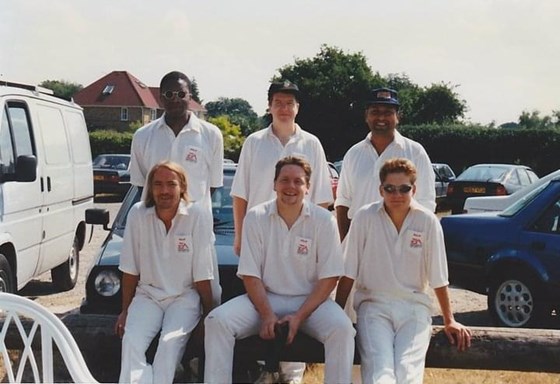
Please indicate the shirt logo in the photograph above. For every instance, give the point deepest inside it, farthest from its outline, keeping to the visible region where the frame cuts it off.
(303, 246)
(416, 241)
(192, 155)
(182, 245)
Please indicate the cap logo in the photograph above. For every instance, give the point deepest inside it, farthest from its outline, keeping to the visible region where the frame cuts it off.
(384, 95)
(287, 84)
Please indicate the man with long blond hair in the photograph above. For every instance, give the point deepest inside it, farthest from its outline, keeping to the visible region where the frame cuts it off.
(167, 267)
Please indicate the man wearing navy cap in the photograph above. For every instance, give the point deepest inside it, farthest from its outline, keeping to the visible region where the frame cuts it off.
(359, 179)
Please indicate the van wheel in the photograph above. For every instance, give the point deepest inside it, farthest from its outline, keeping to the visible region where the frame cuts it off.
(65, 276)
(6, 276)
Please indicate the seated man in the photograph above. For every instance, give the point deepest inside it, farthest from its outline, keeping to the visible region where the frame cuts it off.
(166, 262)
(290, 263)
(393, 250)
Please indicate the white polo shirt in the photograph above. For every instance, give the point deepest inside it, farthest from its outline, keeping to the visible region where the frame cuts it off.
(168, 263)
(198, 147)
(388, 264)
(290, 261)
(359, 180)
(254, 177)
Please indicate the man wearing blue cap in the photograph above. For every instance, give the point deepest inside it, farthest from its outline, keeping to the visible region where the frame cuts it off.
(359, 179)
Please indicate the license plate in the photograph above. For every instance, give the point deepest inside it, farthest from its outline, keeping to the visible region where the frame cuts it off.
(474, 189)
(98, 177)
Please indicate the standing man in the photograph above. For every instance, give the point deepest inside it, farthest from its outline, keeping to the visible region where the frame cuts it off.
(359, 179)
(167, 268)
(394, 251)
(290, 263)
(180, 136)
(261, 151)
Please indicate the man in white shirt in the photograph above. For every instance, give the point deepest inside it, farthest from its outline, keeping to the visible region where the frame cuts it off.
(359, 178)
(180, 136)
(394, 252)
(167, 268)
(290, 263)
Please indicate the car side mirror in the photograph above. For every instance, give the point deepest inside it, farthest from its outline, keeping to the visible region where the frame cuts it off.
(98, 216)
(25, 170)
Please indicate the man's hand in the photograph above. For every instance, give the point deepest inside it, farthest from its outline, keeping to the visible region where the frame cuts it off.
(121, 322)
(267, 327)
(458, 335)
(294, 323)
(237, 245)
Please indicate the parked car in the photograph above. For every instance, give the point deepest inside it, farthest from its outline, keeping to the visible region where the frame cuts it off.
(338, 165)
(498, 203)
(46, 185)
(111, 174)
(444, 175)
(103, 284)
(487, 180)
(513, 256)
(334, 175)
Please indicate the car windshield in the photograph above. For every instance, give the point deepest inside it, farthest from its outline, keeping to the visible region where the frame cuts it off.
(483, 173)
(523, 202)
(111, 162)
(222, 204)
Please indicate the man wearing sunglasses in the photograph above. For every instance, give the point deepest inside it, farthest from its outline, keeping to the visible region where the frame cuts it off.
(178, 135)
(395, 251)
(359, 178)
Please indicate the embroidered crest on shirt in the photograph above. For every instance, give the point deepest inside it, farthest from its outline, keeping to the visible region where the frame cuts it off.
(303, 246)
(192, 154)
(416, 240)
(182, 245)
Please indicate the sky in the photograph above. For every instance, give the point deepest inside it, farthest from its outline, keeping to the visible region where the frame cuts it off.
(502, 56)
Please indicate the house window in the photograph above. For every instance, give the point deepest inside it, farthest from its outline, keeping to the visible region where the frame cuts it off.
(108, 89)
(124, 114)
(154, 114)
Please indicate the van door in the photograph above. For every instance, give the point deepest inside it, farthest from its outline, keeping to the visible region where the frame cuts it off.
(20, 202)
(58, 184)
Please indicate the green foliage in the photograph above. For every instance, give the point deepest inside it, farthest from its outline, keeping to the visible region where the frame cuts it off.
(533, 120)
(239, 112)
(436, 104)
(62, 88)
(109, 142)
(233, 139)
(195, 94)
(134, 125)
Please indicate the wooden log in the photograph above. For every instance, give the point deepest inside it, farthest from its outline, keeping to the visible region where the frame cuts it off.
(492, 348)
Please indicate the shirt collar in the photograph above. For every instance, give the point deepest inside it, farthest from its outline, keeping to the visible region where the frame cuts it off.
(297, 134)
(272, 208)
(193, 124)
(182, 210)
(398, 139)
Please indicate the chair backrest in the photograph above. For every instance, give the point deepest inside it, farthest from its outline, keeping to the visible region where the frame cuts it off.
(15, 311)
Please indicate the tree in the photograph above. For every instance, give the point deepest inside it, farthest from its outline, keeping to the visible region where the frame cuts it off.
(332, 83)
(233, 140)
(436, 104)
(62, 88)
(194, 91)
(533, 120)
(239, 112)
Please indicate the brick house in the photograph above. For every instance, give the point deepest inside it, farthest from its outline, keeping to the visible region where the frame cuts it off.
(119, 99)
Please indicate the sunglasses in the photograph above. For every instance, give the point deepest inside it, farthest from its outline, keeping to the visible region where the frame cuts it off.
(170, 95)
(392, 189)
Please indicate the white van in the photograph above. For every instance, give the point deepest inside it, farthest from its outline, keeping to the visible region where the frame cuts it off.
(46, 184)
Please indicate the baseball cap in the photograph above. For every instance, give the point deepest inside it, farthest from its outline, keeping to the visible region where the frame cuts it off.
(382, 96)
(283, 86)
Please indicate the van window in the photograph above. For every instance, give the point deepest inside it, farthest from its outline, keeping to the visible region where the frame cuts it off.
(7, 160)
(54, 135)
(79, 141)
(21, 129)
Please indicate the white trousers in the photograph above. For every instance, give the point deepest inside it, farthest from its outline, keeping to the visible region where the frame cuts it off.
(176, 318)
(393, 338)
(238, 319)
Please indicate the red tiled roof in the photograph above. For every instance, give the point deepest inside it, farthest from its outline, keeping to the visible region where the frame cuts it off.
(127, 91)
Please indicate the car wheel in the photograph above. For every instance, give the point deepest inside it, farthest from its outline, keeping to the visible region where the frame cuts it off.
(513, 300)
(6, 276)
(65, 276)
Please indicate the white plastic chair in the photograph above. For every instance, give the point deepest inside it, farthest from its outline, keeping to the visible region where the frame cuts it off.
(12, 309)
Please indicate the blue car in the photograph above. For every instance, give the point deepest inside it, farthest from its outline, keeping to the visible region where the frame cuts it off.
(103, 284)
(512, 256)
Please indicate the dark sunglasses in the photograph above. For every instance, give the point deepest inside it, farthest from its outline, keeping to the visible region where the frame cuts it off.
(170, 95)
(392, 189)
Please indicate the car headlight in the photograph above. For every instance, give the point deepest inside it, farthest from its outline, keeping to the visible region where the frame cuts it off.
(107, 283)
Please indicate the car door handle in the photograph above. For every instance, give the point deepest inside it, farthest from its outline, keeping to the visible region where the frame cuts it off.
(538, 245)
(48, 183)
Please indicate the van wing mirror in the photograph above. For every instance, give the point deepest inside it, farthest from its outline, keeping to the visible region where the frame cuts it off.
(26, 168)
(98, 216)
